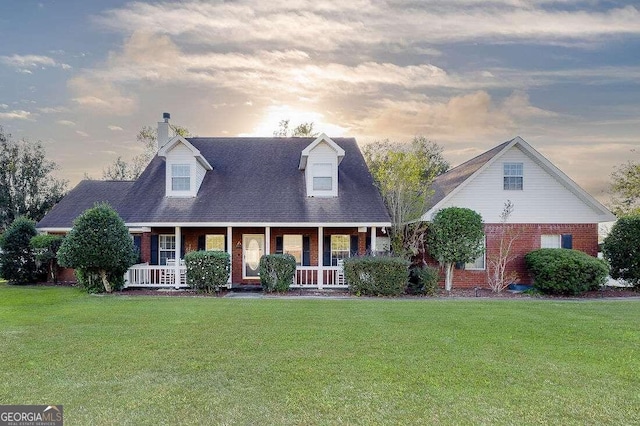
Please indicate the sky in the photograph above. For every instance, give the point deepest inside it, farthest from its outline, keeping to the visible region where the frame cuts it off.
(84, 77)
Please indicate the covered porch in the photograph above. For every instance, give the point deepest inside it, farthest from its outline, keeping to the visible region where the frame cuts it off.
(319, 252)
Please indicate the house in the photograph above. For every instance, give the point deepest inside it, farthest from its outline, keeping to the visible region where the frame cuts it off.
(313, 198)
(549, 209)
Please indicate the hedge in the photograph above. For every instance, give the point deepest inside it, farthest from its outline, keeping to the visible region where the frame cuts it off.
(277, 271)
(564, 271)
(207, 270)
(423, 280)
(376, 275)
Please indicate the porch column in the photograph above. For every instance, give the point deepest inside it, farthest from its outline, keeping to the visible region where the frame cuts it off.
(176, 274)
(267, 240)
(373, 241)
(230, 251)
(320, 256)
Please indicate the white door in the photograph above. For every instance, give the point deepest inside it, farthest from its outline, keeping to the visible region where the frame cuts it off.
(252, 251)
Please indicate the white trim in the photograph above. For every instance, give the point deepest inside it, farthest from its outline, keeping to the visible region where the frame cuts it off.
(43, 230)
(304, 156)
(565, 180)
(320, 277)
(162, 152)
(374, 242)
(230, 251)
(259, 224)
(244, 247)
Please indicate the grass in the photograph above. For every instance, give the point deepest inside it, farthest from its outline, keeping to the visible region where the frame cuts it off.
(155, 360)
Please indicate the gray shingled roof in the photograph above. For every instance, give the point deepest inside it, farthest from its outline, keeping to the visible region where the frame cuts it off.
(444, 184)
(253, 180)
(84, 196)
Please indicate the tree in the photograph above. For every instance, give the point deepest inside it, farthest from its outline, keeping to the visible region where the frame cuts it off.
(497, 262)
(301, 130)
(27, 187)
(17, 262)
(403, 174)
(625, 188)
(455, 235)
(621, 249)
(148, 137)
(45, 248)
(99, 245)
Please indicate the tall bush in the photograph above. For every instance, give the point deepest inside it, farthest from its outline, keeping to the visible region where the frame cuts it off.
(99, 245)
(621, 248)
(277, 272)
(564, 271)
(207, 270)
(423, 279)
(376, 276)
(45, 248)
(17, 261)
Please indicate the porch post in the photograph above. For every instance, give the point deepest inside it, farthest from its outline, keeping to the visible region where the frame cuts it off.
(267, 240)
(230, 251)
(176, 274)
(373, 241)
(320, 256)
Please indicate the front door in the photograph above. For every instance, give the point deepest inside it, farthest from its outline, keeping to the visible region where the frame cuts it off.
(252, 251)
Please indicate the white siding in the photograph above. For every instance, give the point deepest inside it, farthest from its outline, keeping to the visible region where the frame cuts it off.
(543, 199)
(200, 172)
(325, 154)
(180, 154)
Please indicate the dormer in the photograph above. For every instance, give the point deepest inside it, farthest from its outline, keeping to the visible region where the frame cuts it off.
(185, 167)
(320, 161)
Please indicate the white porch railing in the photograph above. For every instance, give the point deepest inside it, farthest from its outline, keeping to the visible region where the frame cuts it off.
(144, 275)
(307, 277)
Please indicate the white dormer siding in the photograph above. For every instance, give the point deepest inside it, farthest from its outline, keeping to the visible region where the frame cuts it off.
(320, 161)
(185, 168)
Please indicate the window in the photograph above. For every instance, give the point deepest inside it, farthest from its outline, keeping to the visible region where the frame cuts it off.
(167, 249)
(340, 248)
(556, 241)
(322, 177)
(292, 244)
(180, 177)
(477, 264)
(214, 243)
(550, 241)
(513, 174)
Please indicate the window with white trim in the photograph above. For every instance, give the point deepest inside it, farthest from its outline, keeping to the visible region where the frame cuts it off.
(550, 241)
(167, 248)
(180, 177)
(214, 243)
(322, 177)
(340, 248)
(479, 263)
(513, 176)
(292, 244)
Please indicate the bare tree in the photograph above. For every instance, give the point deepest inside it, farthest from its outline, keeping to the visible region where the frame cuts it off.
(498, 262)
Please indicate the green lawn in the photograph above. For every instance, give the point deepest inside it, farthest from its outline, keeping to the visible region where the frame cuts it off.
(155, 360)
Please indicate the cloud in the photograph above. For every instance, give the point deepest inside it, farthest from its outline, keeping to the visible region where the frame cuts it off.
(102, 96)
(67, 123)
(81, 133)
(16, 114)
(4, 106)
(23, 62)
(53, 110)
(115, 128)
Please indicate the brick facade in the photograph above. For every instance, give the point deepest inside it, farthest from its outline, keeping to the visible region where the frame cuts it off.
(584, 236)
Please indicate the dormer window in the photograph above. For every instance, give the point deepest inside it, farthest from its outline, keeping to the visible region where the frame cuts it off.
(180, 177)
(322, 177)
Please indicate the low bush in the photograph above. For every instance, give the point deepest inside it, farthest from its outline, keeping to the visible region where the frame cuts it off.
(277, 271)
(563, 271)
(423, 279)
(376, 276)
(207, 270)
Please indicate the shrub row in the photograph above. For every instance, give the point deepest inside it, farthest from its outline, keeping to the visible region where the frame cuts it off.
(563, 271)
(207, 270)
(376, 276)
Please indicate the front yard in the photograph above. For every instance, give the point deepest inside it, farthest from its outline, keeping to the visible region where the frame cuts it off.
(170, 360)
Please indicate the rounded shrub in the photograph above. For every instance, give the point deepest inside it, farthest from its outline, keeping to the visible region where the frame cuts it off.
(17, 260)
(423, 279)
(621, 248)
(376, 276)
(563, 271)
(277, 272)
(207, 270)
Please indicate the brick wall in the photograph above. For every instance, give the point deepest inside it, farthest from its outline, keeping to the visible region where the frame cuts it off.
(585, 238)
